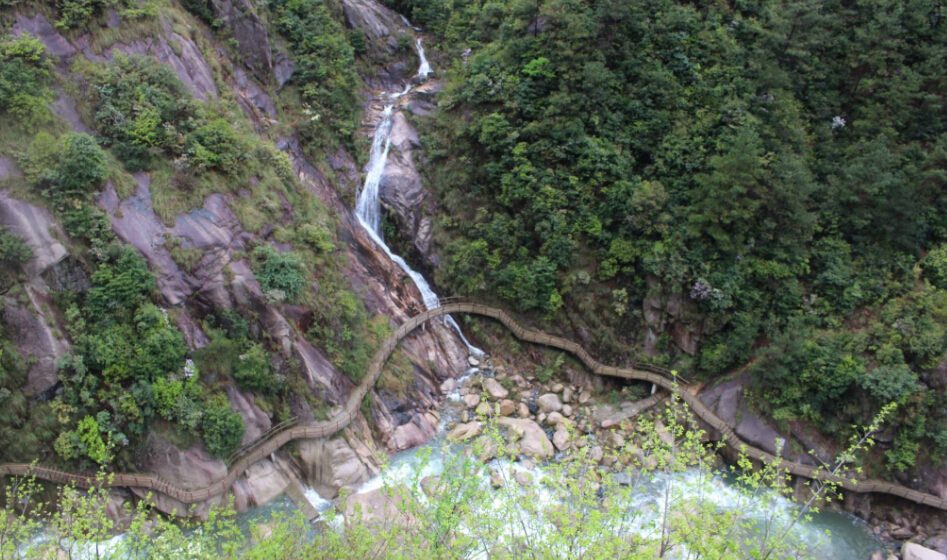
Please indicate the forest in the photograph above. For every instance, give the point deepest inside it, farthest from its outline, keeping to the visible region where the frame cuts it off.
(782, 164)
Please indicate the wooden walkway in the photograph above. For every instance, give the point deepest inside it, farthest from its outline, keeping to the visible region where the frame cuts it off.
(638, 371)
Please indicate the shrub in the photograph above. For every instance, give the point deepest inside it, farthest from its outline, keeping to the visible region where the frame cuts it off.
(223, 429)
(252, 370)
(24, 72)
(120, 285)
(281, 272)
(13, 252)
(83, 167)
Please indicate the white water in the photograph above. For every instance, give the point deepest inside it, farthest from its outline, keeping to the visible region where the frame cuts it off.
(424, 69)
(833, 535)
(368, 205)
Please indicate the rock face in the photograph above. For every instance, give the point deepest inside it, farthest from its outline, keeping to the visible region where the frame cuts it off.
(190, 468)
(331, 465)
(533, 441)
(671, 313)
(36, 340)
(37, 227)
(402, 189)
(252, 42)
(255, 421)
(726, 401)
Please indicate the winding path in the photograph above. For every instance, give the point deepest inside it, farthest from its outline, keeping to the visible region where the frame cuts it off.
(279, 438)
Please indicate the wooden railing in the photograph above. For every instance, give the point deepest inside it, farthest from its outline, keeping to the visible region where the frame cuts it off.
(282, 434)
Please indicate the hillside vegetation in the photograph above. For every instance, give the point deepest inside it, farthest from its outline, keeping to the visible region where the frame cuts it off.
(780, 165)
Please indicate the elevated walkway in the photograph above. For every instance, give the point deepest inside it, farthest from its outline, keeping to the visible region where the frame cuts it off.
(638, 371)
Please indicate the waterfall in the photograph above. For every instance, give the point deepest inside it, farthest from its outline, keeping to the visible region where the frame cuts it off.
(368, 205)
(424, 69)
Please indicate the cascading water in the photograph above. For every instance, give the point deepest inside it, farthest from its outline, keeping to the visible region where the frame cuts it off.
(368, 205)
(424, 69)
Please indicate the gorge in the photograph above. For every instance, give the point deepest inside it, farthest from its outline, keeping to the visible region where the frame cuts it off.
(192, 260)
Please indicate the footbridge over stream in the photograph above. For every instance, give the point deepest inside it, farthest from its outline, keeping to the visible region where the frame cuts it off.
(284, 434)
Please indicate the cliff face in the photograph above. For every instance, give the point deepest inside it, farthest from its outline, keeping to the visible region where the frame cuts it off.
(248, 71)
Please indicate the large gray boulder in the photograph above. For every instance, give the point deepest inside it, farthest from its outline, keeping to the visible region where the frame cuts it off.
(532, 439)
(331, 464)
(914, 551)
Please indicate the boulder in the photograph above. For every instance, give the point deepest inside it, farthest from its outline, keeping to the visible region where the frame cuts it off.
(549, 403)
(561, 440)
(465, 432)
(448, 386)
(494, 389)
(522, 410)
(471, 400)
(567, 410)
(507, 407)
(914, 551)
(485, 409)
(263, 481)
(554, 418)
(524, 479)
(567, 395)
(379, 506)
(533, 441)
(331, 464)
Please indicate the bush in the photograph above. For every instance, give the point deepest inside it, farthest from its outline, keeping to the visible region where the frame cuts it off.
(82, 169)
(24, 72)
(120, 285)
(279, 272)
(252, 370)
(222, 428)
(13, 252)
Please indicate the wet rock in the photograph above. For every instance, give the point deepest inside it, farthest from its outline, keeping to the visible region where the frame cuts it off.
(496, 479)
(533, 441)
(379, 506)
(331, 465)
(262, 482)
(418, 431)
(379, 24)
(524, 479)
(549, 403)
(914, 551)
(464, 432)
(474, 362)
(494, 389)
(448, 386)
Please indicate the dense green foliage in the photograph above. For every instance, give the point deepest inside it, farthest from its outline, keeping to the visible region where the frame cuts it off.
(24, 73)
(144, 111)
(281, 275)
(326, 66)
(13, 252)
(780, 164)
